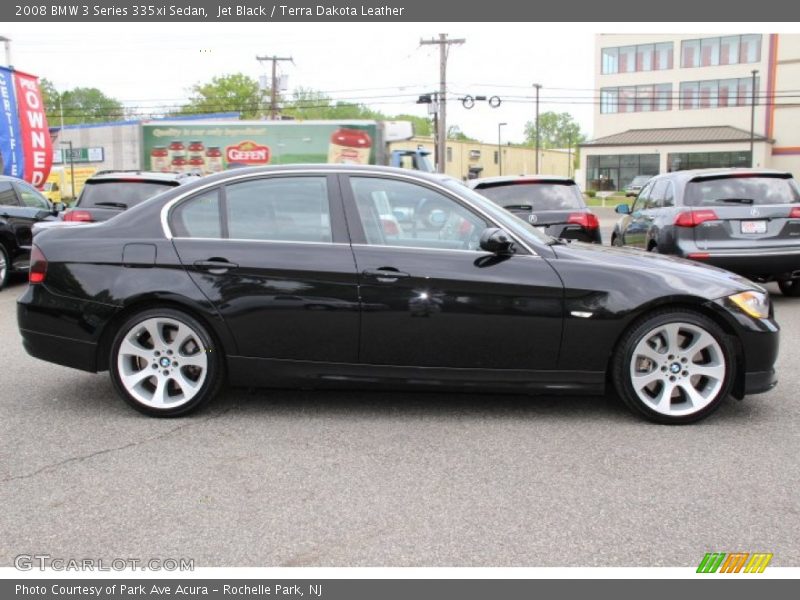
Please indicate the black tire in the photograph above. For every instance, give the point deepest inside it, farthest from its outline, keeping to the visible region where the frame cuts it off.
(790, 287)
(197, 346)
(622, 366)
(5, 266)
(616, 240)
(653, 248)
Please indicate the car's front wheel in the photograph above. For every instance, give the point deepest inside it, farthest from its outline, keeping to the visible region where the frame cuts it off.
(674, 367)
(164, 363)
(790, 287)
(5, 266)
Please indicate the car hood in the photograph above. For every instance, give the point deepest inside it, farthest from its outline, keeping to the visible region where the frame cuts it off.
(681, 275)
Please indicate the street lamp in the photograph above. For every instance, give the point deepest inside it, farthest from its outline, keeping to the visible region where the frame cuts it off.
(499, 149)
(71, 169)
(753, 119)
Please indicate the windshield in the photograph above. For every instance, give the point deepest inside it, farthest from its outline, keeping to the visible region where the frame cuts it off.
(514, 225)
(119, 194)
(640, 180)
(538, 196)
(746, 190)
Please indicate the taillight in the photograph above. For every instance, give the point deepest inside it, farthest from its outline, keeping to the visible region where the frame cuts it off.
(795, 212)
(82, 216)
(38, 270)
(693, 218)
(586, 220)
(390, 227)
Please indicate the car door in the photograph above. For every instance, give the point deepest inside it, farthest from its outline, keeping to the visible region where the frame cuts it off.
(431, 298)
(638, 222)
(272, 254)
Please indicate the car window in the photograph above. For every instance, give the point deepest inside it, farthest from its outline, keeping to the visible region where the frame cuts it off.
(656, 198)
(669, 195)
(7, 195)
(398, 213)
(30, 197)
(294, 209)
(198, 217)
(746, 190)
(539, 196)
(642, 199)
(120, 194)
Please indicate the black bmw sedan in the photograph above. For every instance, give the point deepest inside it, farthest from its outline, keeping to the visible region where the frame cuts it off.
(301, 276)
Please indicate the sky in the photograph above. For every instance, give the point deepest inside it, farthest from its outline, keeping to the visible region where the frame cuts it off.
(382, 65)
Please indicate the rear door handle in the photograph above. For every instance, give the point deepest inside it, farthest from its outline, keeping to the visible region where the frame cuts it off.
(216, 266)
(385, 274)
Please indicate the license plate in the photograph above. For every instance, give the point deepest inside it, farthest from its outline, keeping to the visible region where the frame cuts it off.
(754, 227)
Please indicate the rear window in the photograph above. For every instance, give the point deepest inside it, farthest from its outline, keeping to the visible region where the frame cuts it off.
(538, 196)
(741, 190)
(120, 194)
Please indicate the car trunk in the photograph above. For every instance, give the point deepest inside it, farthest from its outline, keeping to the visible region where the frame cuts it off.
(745, 212)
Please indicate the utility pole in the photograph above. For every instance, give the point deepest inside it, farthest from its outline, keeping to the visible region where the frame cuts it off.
(538, 86)
(441, 141)
(273, 103)
(753, 119)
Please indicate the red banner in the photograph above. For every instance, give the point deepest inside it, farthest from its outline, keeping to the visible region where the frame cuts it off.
(36, 144)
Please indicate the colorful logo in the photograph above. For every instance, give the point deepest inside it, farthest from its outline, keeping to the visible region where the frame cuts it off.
(248, 153)
(734, 562)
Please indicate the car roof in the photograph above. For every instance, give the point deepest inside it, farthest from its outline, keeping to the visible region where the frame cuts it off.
(689, 175)
(136, 175)
(502, 179)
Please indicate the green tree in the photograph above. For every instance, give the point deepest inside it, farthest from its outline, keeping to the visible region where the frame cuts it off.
(310, 104)
(423, 126)
(556, 130)
(79, 105)
(454, 133)
(227, 93)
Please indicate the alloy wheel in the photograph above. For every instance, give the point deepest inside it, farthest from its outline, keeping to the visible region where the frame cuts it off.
(677, 369)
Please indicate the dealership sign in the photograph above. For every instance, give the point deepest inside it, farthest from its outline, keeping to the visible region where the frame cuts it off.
(26, 150)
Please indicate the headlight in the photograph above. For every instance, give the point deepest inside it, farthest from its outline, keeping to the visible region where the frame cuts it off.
(755, 304)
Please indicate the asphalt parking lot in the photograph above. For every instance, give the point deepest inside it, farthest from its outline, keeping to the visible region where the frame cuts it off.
(301, 478)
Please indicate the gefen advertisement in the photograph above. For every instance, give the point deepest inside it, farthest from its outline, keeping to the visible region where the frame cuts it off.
(212, 147)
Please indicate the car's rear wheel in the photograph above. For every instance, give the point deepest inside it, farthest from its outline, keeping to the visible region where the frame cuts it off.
(616, 241)
(164, 363)
(790, 287)
(5, 266)
(674, 367)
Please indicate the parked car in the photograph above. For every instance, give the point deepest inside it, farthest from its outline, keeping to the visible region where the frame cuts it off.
(21, 205)
(553, 204)
(636, 185)
(107, 193)
(743, 220)
(188, 290)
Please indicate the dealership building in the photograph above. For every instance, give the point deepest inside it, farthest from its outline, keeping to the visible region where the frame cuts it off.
(674, 102)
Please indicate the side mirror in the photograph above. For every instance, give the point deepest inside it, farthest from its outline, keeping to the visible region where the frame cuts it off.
(496, 241)
(58, 207)
(623, 209)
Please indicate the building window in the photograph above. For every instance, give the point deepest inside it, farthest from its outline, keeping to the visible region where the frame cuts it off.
(642, 98)
(728, 50)
(629, 59)
(716, 93)
(615, 171)
(496, 157)
(681, 161)
(449, 154)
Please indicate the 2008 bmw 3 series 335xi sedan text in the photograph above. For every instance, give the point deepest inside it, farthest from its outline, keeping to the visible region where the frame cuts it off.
(370, 276)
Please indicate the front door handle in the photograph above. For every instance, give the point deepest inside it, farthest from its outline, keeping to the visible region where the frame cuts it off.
(215, 266)
(385, 274)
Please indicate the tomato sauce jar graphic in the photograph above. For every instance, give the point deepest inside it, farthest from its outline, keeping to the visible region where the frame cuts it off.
(159, 159)
(178, 163)
(196, 150)
(350, 146)
(176, 148)
(213, 159)
(197, 164)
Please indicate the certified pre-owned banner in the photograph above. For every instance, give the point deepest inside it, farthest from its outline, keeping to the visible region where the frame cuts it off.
(25, 147)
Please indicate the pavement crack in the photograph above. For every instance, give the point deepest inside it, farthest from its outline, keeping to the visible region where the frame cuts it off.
(77, 459)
